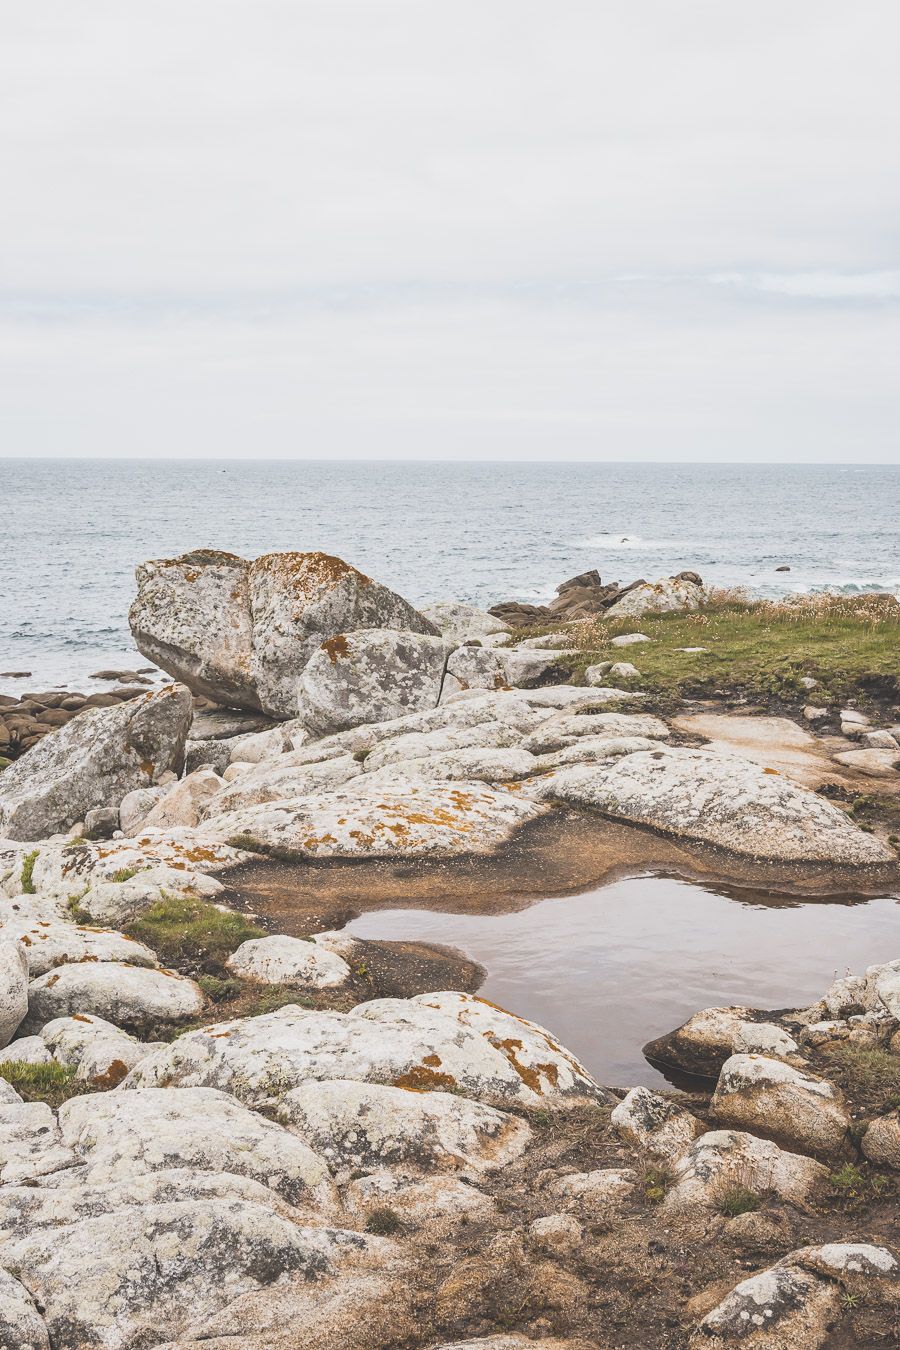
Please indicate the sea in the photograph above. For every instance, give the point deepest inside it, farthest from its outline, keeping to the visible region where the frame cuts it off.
(73, 530)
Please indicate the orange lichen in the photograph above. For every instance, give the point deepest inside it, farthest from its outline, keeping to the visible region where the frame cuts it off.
(336, 647)
(420, 1078)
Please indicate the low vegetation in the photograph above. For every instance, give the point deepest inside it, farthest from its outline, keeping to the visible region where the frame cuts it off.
(51, 1083)
(27, 877)
(848, 644)
(869, 1075)
(738, 1199)
(188, 932)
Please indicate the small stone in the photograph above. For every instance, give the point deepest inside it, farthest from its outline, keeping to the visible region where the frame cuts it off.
(629, 639)
(814, 714)
(624, 670)
(557, 1234)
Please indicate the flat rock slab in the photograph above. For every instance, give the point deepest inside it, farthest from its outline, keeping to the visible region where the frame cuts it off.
(422, 820)
(444, 1042)
(722, 800)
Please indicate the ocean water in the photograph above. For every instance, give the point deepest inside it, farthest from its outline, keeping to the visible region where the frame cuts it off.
(73, 531)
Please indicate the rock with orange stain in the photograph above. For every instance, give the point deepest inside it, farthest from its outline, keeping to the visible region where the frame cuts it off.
(93, 761)
(128, 996)
(407, 820)
(369, 676)
(443, 1043)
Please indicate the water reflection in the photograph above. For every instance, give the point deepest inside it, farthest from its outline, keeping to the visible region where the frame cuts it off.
(610, 969)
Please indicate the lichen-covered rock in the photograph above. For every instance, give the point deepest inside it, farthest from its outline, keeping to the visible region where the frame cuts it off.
(185, 802)
(442, 1042)
(369, 676)
(123, 1280)
(283, 780)
(722, 800)
(659, 597)
(458, 623)
(566, 728)
(93, 1047)
(288, 960)
(13, 989)
(129, 996)
(701, 1045)
(502, 668)
(92, 761)
(783, 1308)
(21, 1325)
(434, 1201)
(473, 765)
(415, 820)
(724, 1158)
(415, 745)
(656, 1125)
(47, 944)
(30, 1143)
(118, 1135)
(369, 1125)
(240, 633)
(766, 1096)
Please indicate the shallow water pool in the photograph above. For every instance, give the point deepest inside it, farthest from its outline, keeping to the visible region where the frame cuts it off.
(613, 968)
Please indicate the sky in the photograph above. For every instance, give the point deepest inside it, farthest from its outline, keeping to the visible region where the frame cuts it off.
(486, 229)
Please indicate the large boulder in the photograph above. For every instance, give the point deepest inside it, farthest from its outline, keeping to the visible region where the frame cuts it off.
(660, 597)
(369, 676)
(721, 800)
(459, 623)
(93, 761)
(240, 633)
(722, 1159)
(288, 960)
(447, 1042)
(795, 1107)
(129, 996)
(412, 820)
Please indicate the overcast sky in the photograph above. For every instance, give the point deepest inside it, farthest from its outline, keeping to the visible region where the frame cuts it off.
(524, 229)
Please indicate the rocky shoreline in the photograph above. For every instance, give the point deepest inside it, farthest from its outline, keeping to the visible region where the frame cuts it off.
(217, 1132)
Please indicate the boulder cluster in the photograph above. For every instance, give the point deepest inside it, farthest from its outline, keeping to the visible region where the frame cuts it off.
(586, 597)
(374, 1173)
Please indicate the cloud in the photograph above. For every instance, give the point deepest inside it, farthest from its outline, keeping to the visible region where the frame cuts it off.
(389, 225)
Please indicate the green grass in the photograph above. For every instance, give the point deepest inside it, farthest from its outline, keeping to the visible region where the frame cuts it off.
(848, 644)
(656, 1179)
(738, 1199)
(124, 874)
(51, 1083)
(857, 1185)
(182, 930)
(79, 915)
(869, 1074)
(27, 879)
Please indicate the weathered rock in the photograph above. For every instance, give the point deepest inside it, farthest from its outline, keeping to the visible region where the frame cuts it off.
(21, 1325)
(140, 1273)
(795, 1107)
(596, 674)
(101, 822)
(413, 745)
(556, 1234)
(118, 1135)
(369, 676)
(282, 780)
(508, 1343)
(95, 1048)
(418, 820)
(185, 802)
(722, 800)
(629, 639)
(659, 597)
(567, 728)
(47, 944)
(288, 960)
(370, 1126)
(783, 1308)
(115, 902)
(724, 1158)
(600, 1192)
(655, 1125)
(13, 989)
(472, 765)
(875, 763)
(26, 1050)
(30, 1144)
(136, 806)
(881, 1141)
(502, 668)
(240, 633)
(433, 1201)
(129, 996)
(460, 1044)
(458, 623)
(94, 761)
(701, 1045)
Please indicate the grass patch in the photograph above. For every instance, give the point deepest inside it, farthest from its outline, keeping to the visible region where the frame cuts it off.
(51, 1083)
(870, 1075)
(384, 1222)
(124, 874)
(738, 1199)
(219, 990)
(79, 915)
(656, 1179)
(27, 877)
(848, 644)
(187, 931)
(857, 1185)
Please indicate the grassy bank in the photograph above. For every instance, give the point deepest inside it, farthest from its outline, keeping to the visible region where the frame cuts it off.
(851, 646)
